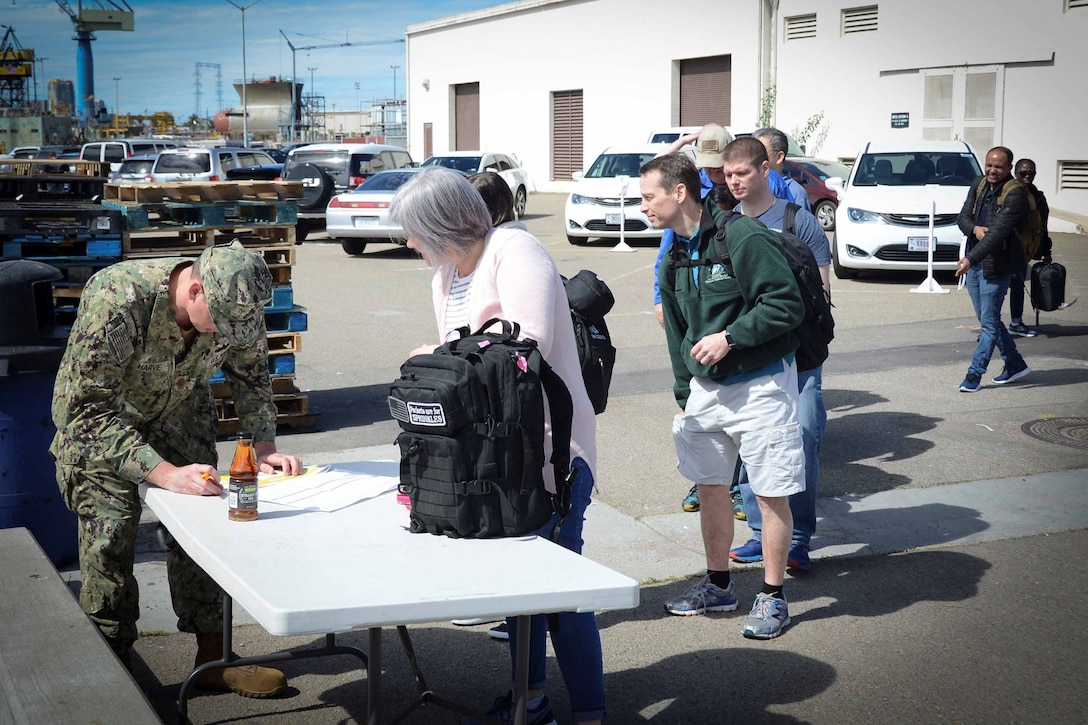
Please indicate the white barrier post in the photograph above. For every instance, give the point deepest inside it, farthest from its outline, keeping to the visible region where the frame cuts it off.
(623, 246)
(930, 286)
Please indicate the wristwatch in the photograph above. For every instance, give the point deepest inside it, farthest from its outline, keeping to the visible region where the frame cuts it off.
(729, 339)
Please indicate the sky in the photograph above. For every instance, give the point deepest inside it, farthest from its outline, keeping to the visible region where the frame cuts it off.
(156, 63)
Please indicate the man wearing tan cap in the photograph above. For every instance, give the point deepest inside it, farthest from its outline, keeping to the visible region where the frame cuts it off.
(132, 403)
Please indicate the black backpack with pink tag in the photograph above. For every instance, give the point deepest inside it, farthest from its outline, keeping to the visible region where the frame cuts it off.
(472, 440)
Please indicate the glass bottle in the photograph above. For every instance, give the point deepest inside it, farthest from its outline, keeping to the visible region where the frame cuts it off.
(242, 490)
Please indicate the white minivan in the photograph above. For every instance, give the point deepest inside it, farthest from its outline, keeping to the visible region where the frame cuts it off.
(116, 150)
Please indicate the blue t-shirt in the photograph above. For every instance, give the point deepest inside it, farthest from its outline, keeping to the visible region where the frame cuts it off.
(798, 194)
(805, 226)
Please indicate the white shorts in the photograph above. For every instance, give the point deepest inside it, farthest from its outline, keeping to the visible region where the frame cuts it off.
(756, 420)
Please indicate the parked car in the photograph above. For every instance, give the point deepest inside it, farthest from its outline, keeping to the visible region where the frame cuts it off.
(811, 174)
(884, 209)
(278, 155)
(594, 209)
(505, 165)
(118, 149)
(362, 214)
(326, 169)
(668, 135)
(261, 172)
(134, 170)
(203, 164)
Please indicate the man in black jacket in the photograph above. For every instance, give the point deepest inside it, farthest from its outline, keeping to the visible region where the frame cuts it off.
(993, 255)
(1025, 174)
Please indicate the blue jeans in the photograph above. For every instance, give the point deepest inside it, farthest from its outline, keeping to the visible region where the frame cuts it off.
(577, 642)
(987, 297)
(812, 416)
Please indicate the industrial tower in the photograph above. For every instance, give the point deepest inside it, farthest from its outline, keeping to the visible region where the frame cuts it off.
(99, 15)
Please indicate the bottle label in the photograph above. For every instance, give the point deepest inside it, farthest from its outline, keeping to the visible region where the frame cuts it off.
(242, 496)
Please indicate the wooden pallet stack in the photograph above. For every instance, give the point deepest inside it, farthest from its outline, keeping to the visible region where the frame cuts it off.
(182, 219)
(50, 212)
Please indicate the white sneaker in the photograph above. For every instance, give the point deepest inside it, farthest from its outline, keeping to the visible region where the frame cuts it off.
(477, 620)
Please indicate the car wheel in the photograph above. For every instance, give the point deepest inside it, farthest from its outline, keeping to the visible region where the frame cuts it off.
(354, 247)
(825, 214)
(579, 241)
(317, 187)
(840, 271)
(519, 202)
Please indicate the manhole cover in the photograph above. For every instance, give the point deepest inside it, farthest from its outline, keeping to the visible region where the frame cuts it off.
(1072, 432)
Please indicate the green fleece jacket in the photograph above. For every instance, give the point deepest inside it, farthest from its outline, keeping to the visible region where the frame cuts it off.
(760, 306)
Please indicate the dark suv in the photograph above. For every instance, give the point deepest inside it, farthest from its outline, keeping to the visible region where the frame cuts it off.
(327, 169)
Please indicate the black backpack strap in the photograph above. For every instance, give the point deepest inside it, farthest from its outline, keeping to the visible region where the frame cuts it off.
(789, 219)
(562, 413)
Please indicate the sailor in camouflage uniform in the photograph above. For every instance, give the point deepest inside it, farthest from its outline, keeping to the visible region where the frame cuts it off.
(132, 403)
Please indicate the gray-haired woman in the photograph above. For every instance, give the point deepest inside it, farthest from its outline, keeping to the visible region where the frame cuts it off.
(483, 272)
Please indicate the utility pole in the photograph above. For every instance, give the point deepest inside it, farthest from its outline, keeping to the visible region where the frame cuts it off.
(116, 102)
(245, 107)
(313, 100)
(394, 67)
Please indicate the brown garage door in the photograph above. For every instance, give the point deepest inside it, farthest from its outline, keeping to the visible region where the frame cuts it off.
(705, 85)
(467, 116)
(566, 133)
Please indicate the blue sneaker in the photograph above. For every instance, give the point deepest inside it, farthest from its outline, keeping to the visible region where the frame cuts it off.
(538, 712)
(970, 384)
(769, 616)
(691, 501)
(798, 557)
(703, 597)
(1011, 375)
(748, 553)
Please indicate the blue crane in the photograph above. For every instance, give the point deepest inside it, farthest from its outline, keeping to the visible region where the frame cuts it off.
(98, 15)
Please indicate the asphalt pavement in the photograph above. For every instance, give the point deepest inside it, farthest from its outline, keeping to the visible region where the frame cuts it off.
(946, 574)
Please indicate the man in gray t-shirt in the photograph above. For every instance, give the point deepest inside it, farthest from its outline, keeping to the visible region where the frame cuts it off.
(746, 171)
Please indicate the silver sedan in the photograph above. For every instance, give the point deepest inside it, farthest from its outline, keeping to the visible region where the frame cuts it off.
(362, 214)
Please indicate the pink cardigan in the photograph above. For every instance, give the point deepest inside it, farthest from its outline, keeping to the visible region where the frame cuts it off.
(517, 280)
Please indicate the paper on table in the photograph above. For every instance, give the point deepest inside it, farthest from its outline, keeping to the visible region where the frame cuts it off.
(327, 489)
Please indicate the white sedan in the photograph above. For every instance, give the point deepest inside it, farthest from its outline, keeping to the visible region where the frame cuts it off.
(595, 208)
(362, 214)
(505, 165)
(884, 210)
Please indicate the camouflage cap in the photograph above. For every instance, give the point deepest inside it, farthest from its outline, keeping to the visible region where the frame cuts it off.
(237, 285)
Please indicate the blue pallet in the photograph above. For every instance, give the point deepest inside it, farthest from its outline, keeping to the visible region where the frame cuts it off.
(283, 299)
(277, 365)
(293, 319)
(46, 250)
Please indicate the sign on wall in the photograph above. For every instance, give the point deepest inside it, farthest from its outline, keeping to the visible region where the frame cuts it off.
(900, 120)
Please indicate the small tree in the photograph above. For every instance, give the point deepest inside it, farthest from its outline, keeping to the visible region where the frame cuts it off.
(815, 130)
(766, 107)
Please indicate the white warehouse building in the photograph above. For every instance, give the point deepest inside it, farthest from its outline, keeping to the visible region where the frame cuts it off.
(558, 81)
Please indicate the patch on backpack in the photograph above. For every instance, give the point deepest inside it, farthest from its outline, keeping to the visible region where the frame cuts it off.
(423, 414)
(119, 340)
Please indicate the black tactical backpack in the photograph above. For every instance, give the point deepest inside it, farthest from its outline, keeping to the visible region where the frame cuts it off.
(590, 299)
(472, 440)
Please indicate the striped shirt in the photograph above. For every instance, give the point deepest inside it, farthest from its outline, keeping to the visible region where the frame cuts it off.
(457, 303)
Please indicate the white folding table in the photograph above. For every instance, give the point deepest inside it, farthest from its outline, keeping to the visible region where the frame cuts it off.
(304, 572)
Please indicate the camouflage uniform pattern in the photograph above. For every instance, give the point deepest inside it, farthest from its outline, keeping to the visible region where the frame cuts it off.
(128, 396)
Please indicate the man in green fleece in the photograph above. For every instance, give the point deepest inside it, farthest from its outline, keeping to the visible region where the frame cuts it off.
(731, 342)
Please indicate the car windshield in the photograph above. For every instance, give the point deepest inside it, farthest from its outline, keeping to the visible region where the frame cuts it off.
(823, 170)
(668, 137)
(916, 169)
(386, 181)
(184, 163)
(467, 164)
(338, 161)
(609, 166)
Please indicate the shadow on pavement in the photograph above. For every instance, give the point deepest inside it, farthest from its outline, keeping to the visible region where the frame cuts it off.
(887, 436)
(350, 407)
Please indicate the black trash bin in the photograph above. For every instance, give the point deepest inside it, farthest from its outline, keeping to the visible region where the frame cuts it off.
(30, 351)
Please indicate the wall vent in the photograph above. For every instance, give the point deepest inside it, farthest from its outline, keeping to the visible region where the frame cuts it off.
(859, 20)
(1072, 175)
(800, 27)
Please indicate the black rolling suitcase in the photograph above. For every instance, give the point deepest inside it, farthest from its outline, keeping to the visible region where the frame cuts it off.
(1047, 287)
